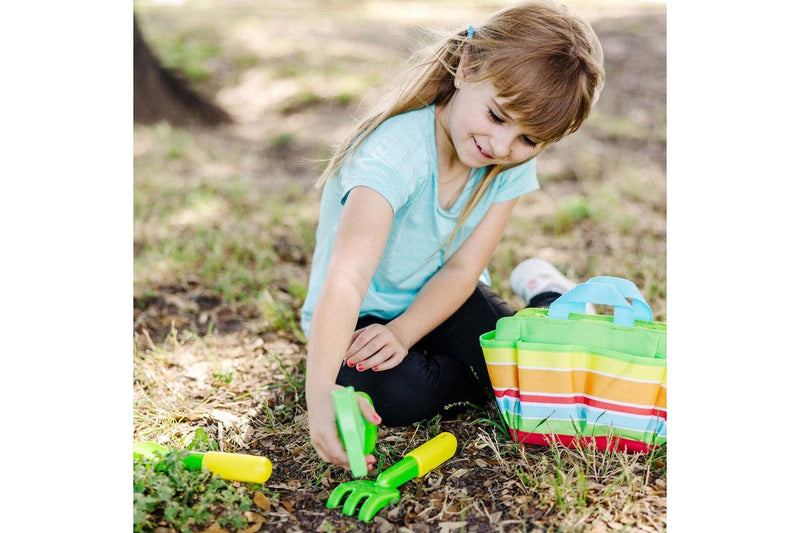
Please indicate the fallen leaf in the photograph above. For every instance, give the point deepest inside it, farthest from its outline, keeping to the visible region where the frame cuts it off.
(460, 472)
(227, 418)
(254, 528)
(383, 525)
(262, 501)
(599, 527)
(214, 528)
(445, 527)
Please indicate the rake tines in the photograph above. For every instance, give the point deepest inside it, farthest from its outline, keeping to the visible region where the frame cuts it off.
(383, 491)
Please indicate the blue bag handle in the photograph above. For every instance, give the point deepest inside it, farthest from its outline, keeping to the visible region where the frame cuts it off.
(575, 301)
(628, 289)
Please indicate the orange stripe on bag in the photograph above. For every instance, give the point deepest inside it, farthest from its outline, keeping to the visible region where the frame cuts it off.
(614, 388)
(503, 376)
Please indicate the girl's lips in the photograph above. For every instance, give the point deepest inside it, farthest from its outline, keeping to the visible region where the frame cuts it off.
(478, 146)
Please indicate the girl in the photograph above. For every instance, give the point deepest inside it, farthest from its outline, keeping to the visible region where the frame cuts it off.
(415, 202)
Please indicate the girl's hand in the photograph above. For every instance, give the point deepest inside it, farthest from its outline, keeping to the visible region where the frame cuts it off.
(375, 347)
(322, 426)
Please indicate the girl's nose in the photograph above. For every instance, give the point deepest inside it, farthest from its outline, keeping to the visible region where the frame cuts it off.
(501, 143)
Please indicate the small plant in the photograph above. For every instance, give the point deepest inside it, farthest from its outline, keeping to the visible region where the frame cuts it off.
(166, 493)
(568, 214)
(345, 98)
(201, 442)
(283, 140)
(224, 376)
(186, 54)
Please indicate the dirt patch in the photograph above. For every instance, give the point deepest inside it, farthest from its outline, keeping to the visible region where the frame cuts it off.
(188, 309)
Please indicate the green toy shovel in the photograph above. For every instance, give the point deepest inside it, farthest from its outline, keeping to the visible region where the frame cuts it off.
(383, 491)
(358, 434)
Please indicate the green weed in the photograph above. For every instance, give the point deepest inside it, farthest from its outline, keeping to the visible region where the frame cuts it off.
(568, 214)
(283, 139)
(345, 97)
(224, 376)
(189, 55)
(167, 494)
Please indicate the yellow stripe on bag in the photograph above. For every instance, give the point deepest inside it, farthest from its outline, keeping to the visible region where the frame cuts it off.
(614, 388)
(580, 359)
(500, 355)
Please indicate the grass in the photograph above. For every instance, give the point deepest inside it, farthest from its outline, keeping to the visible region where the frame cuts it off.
(223, 239)
(216, 230)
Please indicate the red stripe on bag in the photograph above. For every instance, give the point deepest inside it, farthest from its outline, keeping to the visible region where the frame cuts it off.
(577, 399)
(506, 392)
(602, 443)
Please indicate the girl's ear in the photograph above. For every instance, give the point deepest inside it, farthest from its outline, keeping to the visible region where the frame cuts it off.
(464, 69)
(459, 77)
(461, 71)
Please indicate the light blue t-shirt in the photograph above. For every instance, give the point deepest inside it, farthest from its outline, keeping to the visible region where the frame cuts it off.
(399, 161)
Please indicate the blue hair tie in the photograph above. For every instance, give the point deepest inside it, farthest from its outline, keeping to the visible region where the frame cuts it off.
(470, 32)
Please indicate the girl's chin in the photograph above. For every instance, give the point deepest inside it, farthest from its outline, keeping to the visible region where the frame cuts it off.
(473, 163)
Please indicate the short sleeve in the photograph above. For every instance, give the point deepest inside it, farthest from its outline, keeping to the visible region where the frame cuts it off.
(516, 181)
(384, 163)
(376, 174)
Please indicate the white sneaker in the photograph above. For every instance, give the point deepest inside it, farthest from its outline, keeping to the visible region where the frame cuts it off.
(535, 276)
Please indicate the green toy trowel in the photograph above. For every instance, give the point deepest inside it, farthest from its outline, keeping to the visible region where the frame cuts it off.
(358, 434)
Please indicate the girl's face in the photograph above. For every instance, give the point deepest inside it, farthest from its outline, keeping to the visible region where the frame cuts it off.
(482, 132)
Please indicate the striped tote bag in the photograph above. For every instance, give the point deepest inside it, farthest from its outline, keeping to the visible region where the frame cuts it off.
(563, 376)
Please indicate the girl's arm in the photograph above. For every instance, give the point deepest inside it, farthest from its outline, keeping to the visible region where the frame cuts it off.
(382, 347)
(360, 239)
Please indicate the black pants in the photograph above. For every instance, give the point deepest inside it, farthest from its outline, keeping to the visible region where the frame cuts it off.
(444, 371)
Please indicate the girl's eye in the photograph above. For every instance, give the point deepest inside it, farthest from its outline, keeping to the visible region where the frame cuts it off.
(497, 120)
(494, 118)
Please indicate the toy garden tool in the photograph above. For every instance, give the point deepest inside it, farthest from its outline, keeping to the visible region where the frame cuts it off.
(358, 434)
(383, 491)
(230, 466)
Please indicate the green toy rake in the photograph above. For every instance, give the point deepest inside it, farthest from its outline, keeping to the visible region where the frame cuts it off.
(383, 491)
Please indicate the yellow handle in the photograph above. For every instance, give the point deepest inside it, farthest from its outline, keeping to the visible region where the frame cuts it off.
(238, 467)
(434, 452)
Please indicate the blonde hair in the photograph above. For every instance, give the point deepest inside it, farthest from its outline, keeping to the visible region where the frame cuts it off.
(546, 62)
